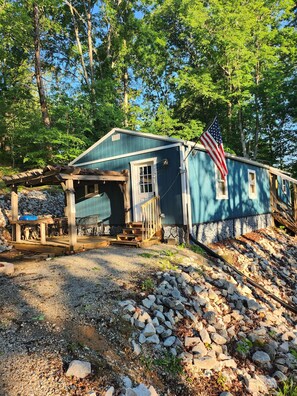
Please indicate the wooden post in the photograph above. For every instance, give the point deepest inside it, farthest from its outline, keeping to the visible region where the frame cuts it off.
(295, 201)
(126, 195)
(42, 234)
(70, 200)
(16, 228)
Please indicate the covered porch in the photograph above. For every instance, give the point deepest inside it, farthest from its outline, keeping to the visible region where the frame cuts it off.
(70, 179)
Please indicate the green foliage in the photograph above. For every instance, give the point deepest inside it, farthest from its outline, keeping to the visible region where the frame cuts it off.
(164, 67)
(197, 249)
(288, 388)
(167, 265)
(148, 285)
(293, 352)
(167, 253)
(244, 346)
(147, 255)
(222, 382)
(168, 362)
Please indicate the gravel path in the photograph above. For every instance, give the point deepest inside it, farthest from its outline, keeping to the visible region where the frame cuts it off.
(56, 310)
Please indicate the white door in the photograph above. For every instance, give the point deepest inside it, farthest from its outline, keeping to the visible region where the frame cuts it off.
(144, 184)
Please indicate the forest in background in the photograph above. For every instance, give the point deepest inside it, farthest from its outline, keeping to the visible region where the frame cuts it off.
(71, 70)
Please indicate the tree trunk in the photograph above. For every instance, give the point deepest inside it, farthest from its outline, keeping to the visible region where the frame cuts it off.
(38, 73)
(126, 97)
(257, 111)
(242, 135)
(79, 46)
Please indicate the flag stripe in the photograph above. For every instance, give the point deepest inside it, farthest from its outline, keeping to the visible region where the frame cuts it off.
(211, 147)
(212, 141)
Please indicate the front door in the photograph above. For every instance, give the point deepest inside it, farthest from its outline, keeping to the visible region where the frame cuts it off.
(144, 184)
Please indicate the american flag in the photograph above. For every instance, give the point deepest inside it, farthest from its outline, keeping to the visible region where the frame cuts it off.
(212, 141)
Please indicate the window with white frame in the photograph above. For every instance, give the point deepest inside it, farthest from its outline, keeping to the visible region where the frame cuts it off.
(221, 186)
(284, 186)
(252, 184)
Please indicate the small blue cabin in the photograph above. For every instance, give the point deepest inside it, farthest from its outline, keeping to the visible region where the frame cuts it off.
(192, 195)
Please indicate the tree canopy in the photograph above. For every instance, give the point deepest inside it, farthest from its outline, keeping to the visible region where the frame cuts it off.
(73, 69)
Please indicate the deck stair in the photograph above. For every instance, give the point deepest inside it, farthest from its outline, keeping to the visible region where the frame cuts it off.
(145, 232)
(131, 235)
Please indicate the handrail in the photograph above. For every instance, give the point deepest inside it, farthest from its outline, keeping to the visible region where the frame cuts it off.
(151, 218)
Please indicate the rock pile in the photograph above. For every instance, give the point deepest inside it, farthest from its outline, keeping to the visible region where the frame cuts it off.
(214, 322)
(33, 202)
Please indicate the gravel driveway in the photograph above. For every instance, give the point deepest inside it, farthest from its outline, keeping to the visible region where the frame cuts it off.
(57, 310)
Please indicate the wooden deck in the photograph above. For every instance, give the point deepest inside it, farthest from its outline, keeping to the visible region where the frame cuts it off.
(60, 244)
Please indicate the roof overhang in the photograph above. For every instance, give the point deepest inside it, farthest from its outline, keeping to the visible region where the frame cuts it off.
(55, 175)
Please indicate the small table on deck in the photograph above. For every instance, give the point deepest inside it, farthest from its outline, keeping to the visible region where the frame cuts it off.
(40, 222)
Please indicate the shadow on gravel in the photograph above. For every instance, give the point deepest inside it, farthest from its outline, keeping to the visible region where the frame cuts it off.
(55, 311)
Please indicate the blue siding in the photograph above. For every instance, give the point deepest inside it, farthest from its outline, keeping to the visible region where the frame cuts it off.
(169, 184)
(108, 205)
(206, 207)
(126, 144)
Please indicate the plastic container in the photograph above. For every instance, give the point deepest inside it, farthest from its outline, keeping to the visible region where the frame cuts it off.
(28, 218)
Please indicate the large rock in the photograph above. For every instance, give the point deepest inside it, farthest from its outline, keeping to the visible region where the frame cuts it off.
(206, 363)
(79, 369)
(149, 330)
(6, 268)
(218, 339)
(205, 336)
(262, 358)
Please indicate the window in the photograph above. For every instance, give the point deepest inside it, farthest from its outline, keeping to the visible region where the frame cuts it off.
(252, 184)
(91, 190)
(145, 179)
(284, 186)
(222, 186)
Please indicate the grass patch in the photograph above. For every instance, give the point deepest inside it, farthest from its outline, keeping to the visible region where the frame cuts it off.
(38, 318)
(244, 346)
(288, 388)
(147, 255)
(168, 362)
(222, 381)
(294, 353)
(167, 265)
(148, 285)
(167, 253)
(197, 249)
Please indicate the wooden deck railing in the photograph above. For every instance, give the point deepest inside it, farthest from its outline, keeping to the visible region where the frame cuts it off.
(151, 219)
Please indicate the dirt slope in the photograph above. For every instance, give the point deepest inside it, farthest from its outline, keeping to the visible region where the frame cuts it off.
(54, 311)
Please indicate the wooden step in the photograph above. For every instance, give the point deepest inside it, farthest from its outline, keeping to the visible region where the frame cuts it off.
(137, 231)
(128, 243)
(129, 237)
(136, 224)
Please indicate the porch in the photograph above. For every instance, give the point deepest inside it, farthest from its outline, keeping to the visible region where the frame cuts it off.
(65, 236)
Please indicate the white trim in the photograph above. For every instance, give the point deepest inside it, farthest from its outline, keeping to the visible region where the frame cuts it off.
(284, 174)
(134, 180)
(220, 180)
(252, 195)
(149, 135)
(198, 147)
(189, 204)
(128, 132)
(131, 154)
(92, 147)
(183, 179)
